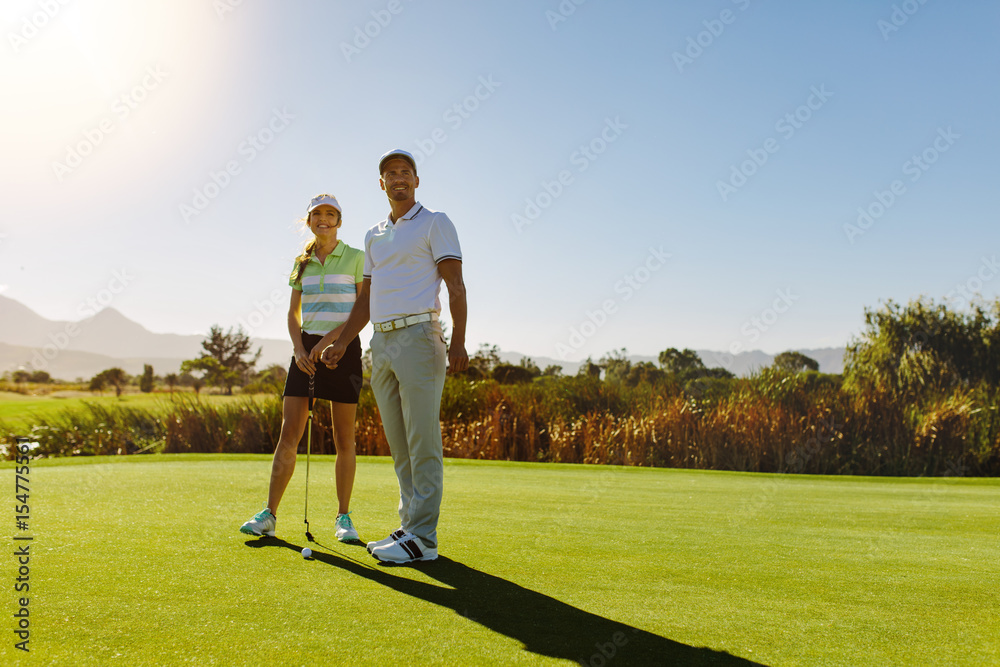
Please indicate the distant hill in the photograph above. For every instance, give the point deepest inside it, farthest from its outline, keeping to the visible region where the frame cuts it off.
(70, 365)
(68, 350)
(830, 359)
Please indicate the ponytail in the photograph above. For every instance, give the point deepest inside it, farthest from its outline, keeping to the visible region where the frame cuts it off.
(303, 259)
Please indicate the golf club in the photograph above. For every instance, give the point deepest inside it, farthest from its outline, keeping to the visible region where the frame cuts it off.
(309, 428)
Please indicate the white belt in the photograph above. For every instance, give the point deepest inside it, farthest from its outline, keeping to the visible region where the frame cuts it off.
(404, 322)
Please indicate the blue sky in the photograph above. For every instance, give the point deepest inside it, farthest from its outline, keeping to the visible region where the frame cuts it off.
(619, 144)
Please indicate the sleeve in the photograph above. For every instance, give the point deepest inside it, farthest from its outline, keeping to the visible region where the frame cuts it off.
(359, 266)
(367, 271)
(291, 277)
(443, 238)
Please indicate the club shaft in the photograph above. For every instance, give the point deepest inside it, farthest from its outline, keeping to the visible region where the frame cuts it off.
(312, 381)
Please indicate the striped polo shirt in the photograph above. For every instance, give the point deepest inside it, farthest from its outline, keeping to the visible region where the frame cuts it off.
(329, 288)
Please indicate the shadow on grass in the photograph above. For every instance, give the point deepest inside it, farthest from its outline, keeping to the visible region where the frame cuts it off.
(543, 624)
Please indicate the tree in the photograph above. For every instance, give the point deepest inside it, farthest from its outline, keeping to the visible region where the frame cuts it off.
(115, 377)
(530, 366)
(589, 368)
(21, 375)
(366, 364)
(146, 381)
(616, 365)
(486, 358)
(683, 364)
(212, 372)
(643, 372)
(172, 380)
(511, 374)
(794, 362)
(227, 349)
(921, 348)
(552, 370)
(41, 377)
(269, 380)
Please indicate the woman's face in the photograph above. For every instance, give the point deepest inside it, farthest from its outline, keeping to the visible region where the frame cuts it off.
(324, 220)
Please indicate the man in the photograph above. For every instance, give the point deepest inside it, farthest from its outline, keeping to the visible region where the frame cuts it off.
(407, 255)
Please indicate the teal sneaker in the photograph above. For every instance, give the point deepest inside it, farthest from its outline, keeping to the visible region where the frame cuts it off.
(262, 523)
(345, 528)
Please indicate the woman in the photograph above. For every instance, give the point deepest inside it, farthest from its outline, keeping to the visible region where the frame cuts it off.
(325, 280)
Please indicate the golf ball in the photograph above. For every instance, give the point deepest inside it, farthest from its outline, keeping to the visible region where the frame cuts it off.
(307, 552)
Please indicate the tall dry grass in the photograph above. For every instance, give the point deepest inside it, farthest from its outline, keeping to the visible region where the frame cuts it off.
(771, 422)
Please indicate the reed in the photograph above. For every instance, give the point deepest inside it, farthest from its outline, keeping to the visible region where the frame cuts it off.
(769, 422)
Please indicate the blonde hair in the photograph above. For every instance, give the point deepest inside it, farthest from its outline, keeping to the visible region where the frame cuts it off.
(302, 261)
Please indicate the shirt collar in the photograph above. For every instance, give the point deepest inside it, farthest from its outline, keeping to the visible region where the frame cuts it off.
(336, 252)
(410, 215)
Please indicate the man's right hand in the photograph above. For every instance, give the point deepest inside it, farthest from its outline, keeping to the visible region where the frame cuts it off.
(331, 355)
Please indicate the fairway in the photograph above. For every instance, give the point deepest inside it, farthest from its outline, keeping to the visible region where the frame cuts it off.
(20, 412)
(138, 561)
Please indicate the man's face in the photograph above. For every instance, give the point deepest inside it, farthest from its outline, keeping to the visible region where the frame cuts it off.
(398, 179)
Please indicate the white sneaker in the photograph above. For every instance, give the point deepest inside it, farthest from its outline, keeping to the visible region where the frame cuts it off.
(345, 528)
(262, 523)
(395, 535)
(406, 549)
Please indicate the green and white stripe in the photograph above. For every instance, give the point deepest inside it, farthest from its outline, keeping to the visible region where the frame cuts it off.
(329, 289)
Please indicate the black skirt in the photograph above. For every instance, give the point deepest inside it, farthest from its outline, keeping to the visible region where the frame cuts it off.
(341, 384)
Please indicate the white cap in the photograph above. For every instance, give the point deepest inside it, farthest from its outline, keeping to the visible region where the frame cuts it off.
(398, 152)
(324, 200)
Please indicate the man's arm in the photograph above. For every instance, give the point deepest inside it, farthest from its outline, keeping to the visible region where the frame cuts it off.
(451, 272)
(356, 321)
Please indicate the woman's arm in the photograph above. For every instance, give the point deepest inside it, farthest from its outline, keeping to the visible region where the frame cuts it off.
(302, 359)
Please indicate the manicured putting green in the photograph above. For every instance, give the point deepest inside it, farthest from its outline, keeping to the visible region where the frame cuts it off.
(138, 561)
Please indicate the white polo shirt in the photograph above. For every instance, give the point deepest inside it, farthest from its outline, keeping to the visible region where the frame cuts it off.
(401, 260)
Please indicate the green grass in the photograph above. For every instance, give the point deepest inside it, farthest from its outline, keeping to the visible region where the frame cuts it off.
(137, 561)
(19, 412)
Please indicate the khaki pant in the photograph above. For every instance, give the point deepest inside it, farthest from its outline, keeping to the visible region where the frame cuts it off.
(408, 371)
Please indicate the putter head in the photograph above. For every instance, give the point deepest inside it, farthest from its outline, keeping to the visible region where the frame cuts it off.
(309, 536)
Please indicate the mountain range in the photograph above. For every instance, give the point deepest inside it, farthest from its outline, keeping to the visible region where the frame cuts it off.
(81, 349)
